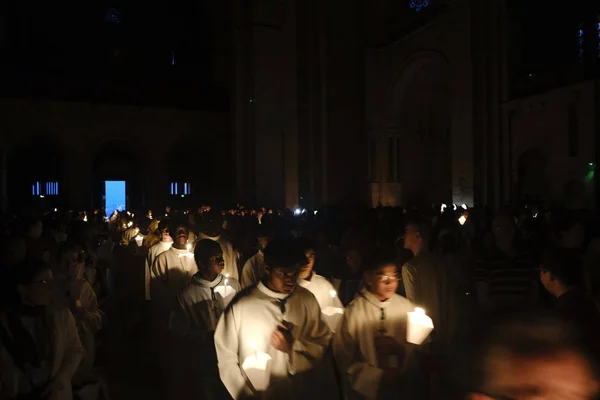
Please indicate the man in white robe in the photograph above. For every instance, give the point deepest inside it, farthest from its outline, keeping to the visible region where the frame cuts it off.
(210, 230)
(193, 323)
(320, 287)
(171, 271)
(278, 318)
(371, 348)
(254, 269)
(165, 244)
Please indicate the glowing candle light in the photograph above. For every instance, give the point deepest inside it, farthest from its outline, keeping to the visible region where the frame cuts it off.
(258, 368)
(332, 315)
(462, 219)
(419, 326)
(443, 208)
(139, 239)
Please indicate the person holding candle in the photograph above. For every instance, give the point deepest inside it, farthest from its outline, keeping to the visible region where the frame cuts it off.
(275, 319)
(201, 304)
(370, 347)
(320, 287)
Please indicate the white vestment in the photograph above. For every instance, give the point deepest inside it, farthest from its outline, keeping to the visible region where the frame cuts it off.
(253, 270)
(129, 235)
(229, 254)
(153, 253)
(321, 288)
(171, 272)
(66, 354)
(354, 344)
(201, 304)
(252, 318)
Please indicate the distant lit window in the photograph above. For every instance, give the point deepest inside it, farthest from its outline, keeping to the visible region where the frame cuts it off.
(180, 188)
(113, 16)
(598, 36)
(580, 42)
(173, 57)
(44, 189)
(418, 5)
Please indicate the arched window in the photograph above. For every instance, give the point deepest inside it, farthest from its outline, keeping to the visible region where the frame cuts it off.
(418, 5)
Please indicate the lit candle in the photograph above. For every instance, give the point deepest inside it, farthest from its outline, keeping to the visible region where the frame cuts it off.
(129, 224)
(462, 220)
(419, 326)
(258, 369)
(332, 315)
(139, 239)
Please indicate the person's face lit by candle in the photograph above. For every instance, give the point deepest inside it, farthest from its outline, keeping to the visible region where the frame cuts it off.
(306, 270)
(383, 282)
(282, 280)
(181, 237)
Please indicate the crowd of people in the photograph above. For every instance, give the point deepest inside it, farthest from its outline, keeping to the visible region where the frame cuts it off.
(277, 304)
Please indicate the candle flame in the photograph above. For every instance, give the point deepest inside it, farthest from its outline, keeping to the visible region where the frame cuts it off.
(419, 310)
(462, 220)
(226, 275)
(332, 293)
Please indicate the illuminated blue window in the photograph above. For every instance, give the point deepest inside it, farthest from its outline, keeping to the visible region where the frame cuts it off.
(418, 5)
(173, 57)
(580, 42)
(44, 189)
(179, 188)
(598, 36)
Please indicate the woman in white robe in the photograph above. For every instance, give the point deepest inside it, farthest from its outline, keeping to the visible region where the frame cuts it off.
(371, 348)
(278, 318)
(193, 323)
(39, 345)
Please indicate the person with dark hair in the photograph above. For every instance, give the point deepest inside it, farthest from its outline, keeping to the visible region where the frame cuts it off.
(561, 274)
(371, 347)
(211, 229)
(278, 318)
(39, 345)
(174, 268)
(254, 269)
(428, 281)
(531, 356)
(193, 323)
(320, 287)
(163, 245)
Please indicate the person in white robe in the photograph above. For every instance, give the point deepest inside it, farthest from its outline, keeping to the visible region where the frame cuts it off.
(80, 297)
(193, 323)
(40, 349)
(211, 230)
(172, 270)
(276, 317)
(320, 287)
(165, 244)
(370, 348)
(254, 268)
(129, 234)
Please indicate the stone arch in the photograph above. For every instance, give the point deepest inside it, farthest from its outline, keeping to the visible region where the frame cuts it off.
(32, 159)
(531, 172)
(419, 111)
(117, 159)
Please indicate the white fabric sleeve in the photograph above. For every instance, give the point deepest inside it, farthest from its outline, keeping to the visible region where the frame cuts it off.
(226, 345)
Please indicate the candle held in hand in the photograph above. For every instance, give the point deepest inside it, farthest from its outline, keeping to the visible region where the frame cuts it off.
(419, 326)
(257, 368)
